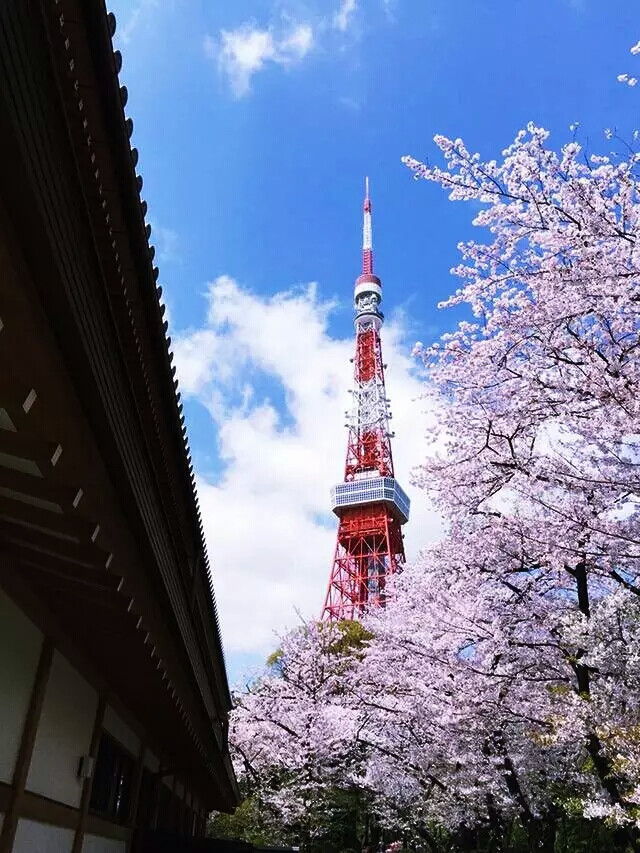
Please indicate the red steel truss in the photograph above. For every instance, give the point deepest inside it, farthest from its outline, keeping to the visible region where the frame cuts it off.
(368, 447)
(369, 549)
(369, 546)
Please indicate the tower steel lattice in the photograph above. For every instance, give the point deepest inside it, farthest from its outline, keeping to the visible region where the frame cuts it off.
(370, 504)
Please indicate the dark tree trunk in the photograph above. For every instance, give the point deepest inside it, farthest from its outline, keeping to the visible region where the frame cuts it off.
(601, 763)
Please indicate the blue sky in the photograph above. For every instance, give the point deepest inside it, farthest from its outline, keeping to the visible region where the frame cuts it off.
(256, 122)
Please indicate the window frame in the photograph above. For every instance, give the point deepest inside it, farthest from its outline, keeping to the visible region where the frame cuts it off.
(122, 773)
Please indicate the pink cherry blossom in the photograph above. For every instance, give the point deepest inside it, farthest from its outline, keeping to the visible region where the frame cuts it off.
(501, 682)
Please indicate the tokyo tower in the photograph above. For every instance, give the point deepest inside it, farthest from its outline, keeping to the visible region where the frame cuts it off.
(370, 505)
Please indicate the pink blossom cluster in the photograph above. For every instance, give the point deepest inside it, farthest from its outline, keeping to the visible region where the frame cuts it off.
(502, 681)
(628, 78)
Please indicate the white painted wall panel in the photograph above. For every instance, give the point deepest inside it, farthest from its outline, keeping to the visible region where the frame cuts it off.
(20, 646)
(35, 837)
(64, 734)
(96, 844)
(116, 726)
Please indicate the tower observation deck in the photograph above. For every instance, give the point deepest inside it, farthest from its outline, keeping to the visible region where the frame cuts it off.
(370, 504)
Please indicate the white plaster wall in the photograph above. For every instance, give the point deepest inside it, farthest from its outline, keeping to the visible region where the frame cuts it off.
(20, 646)
(35, 837)
(64, 734)
(96, 844)
(116, 726)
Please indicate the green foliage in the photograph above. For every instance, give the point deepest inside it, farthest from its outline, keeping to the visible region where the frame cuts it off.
(250, 822)
(336, 821)
(578, 835)
(353, 640)
(555, 834)
(275, 658)
(342, 821)
(274, 661)
(351, 644)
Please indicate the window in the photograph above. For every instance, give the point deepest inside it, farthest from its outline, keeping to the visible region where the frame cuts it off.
(372, 490)
(112, 780)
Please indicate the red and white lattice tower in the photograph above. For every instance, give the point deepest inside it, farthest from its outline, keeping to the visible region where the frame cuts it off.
(370, 504)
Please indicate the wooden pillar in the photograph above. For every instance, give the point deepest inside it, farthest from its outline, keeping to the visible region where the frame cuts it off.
(135, 790)
(188, 811)
(173, 819)
(178, 807)
(184, 811)
(85, 797)
(25, 751)
(156, 796)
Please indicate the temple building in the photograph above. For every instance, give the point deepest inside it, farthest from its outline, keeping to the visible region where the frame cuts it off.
(113, 691)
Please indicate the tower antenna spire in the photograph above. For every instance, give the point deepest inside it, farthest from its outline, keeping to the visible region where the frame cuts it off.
(370, 504)
(367, 237)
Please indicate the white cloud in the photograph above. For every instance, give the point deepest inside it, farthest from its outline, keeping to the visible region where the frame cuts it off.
(296, 44)
(269, 528)
(389, 7)
(243, 52)
(344, 14)
(352, 104)
(251, 47)
(167, 243)
(140, 13)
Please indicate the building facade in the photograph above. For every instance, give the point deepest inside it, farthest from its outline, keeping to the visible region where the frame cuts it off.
(113, 689)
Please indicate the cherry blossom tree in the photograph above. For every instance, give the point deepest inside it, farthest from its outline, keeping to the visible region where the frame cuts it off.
(539, 478)
(294, 732)
(496, 696)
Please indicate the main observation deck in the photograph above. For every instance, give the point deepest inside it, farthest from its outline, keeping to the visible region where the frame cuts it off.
(371, 490)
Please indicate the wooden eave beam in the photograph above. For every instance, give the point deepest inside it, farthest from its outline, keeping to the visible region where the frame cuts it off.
(109, 92)
(67, 497)
(55, 524)
(144, 311)
(58, 567)
(75, 552)
(59, 245)
(25, 447)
